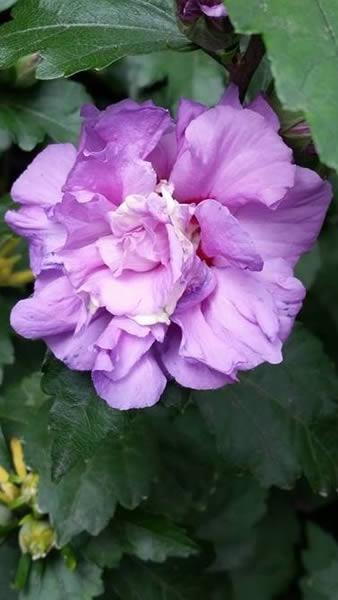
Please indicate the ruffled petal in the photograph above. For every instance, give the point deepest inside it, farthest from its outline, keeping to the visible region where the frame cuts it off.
(42, 182)
(293, 227)
(142, 387)
(54, 308)
(234, 157)
(45, 236)
(224, 240)
(77, 349)
(188, 372)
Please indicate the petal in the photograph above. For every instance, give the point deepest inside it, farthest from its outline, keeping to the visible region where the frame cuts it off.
(232, 156)
(188, 110)
(188, 372)
(263, 108)
(54, 308)
(113, 176)
(293, 227)
(84, 222)
(42, 181)
(77, 350)
(132, 294)
(142, 387)
(45, 236)
(231, 97)
(223, 238)
(132, 129)
(252, 311)
(215, 9)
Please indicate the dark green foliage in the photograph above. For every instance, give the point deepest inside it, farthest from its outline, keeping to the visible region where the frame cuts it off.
(209, 495)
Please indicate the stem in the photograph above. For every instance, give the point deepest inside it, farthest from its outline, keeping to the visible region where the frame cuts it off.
(242, 70)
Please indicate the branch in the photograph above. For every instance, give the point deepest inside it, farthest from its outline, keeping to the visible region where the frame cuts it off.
(244, 66)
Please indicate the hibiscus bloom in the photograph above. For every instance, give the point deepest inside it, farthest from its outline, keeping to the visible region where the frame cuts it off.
(165, 250)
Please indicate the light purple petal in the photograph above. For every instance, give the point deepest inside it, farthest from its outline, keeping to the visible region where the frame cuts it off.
(142, 387)
(41, 183)
(54, 308)
(224, 240)
(188, 372)
(45, 235)
(263, 108)
(77, 349)
(234, 157)
(293, 227)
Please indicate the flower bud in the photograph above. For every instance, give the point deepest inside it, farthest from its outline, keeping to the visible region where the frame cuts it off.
(190, 10)
(29, 488)
(206, 24)
(36, 538)
(25, 69)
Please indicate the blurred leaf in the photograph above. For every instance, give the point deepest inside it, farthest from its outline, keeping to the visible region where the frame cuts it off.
(302, 47)
(5, 460)
(6, 346)
(156, 582)
(165, 77)
(321, 563)
(235, 506)
(53, 580)
(308, 267)
(79, 419)
(280, 421)
(4, 4)
(272, 567)
(9, 557)
(20, 402)
(50, 109)
(71, 37)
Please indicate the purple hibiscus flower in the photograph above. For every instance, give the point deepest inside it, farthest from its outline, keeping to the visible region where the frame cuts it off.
(166, 249)
(189, 10)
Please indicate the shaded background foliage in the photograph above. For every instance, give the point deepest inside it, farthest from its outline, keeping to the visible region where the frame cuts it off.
(226, 495)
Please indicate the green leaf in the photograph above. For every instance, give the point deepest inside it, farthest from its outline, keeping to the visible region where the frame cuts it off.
(165, 77)
(157, 582)
(302, 45)
(322, 549)
(9, 557)
(236, 505)
(50, 109)
(6, 346)
(148, 537)
(4, 4)
(120, 471)
(280, 421)
(71, 37)
(272, 567)
(21, 402)
(5, 460)
(80, 420)
(155, 538)
(53, 580)
(321, 563)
